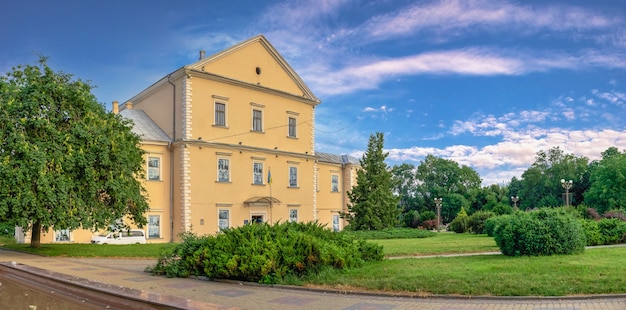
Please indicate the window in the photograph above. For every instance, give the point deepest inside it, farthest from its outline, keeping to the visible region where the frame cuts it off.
(293, 176)
(292, 127)
(293, 215)
(257, 175)
(220, 114)
(223, 219)
(223, 170)
(257, 120)
(62, 235)
(154, 226)
(334, 183)
(154, 168)
(257, 218)
(336, 222)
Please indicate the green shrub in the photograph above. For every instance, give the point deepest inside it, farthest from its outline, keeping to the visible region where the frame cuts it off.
(411, 219)
(476, 221)
(592, 232)
(429, 224)
(265, 253)
(427, 215)
(7, 229)
(613, 230)
(493, 222)
(544, 231)
(459, 224)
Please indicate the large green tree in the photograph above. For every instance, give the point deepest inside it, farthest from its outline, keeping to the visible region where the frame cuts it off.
(608, 182)
(373, 205)
(64, 161)
(440, 178)
(541, 186)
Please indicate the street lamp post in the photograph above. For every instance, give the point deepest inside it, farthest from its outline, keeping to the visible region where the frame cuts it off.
(438, 204)
(515, 199)
(566, 185)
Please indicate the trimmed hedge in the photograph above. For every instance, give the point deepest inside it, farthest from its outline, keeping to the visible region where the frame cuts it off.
(265, 253)
(391, 233)
(544, 231)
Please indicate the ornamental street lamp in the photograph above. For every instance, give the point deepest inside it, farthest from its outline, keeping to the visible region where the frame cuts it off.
(515, 199)
(566, 185)
(438, 204)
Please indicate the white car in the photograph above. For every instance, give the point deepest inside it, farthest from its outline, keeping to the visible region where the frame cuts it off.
(122, 237)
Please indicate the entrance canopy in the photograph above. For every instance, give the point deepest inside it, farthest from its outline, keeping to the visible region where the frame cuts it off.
(260, 201)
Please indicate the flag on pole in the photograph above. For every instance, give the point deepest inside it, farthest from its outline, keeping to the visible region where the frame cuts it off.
(269, 176)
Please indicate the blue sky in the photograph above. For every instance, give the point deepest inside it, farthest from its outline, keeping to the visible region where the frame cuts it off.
(484, 83)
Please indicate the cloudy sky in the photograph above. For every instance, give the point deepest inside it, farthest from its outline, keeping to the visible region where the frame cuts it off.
(485, 83)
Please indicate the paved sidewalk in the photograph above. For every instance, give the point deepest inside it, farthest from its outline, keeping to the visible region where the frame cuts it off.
(121, 274)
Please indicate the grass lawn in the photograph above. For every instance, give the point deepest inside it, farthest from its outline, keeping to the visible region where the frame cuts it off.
(152, 250)
(441, 243)
(597, 271)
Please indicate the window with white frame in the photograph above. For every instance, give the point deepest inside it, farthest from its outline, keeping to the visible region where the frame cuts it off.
(336, 222)
(154, 168)
(334, 183)
(293, 215)
(223, 219)
(220, 114)
(154, 226)
(223, 170)
(257, 174)
(62, 235)
(293, 176)
(257, 120)
(292, 127)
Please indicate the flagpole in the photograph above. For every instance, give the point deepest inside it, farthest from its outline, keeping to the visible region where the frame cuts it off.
(269, 181)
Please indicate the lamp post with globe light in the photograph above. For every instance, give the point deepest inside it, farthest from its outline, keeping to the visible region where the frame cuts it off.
(438, 204)
(566, 185)
(515, 199)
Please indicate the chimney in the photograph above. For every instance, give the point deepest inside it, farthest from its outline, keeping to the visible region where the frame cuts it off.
(201, 54)
(116, 107)
(129, 105)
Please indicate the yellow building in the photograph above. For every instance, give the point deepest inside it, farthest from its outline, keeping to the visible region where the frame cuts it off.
(230, 140)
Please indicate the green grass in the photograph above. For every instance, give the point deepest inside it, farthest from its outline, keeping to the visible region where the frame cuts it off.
(152, 250)
(441, 243)
(597, 271)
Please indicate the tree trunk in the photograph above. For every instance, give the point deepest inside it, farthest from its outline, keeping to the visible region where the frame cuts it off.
(35, 235)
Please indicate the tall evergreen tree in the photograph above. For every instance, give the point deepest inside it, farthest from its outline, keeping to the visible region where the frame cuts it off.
(373, 205)
(64, 161)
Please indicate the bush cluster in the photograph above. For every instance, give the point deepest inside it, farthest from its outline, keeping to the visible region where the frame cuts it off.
(476, 221)
(493, 222)
(459, 224)
(265, 253)
(544, 231)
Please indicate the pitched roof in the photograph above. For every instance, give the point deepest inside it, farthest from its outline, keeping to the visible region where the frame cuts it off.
(271, 50)
(144, 126)
(336, 159)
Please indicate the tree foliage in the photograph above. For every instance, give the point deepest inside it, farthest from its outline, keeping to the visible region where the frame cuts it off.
(373, 205)
(64, 161)
(608, 182)
(541, 185)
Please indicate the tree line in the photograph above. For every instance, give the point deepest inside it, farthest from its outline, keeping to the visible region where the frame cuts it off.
(404, 192)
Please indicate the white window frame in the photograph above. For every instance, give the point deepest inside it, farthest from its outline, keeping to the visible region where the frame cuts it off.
(292, 128)
(260, 120)
(293, 215)
(334, 183)
(224, 114)
(336, 222)
(152, 224)
(151, 159)
(257, 176)
(220, 161)
(62, 232)
(223, 222)
(293, 176)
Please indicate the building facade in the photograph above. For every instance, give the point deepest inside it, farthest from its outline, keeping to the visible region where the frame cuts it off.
(229, 140)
